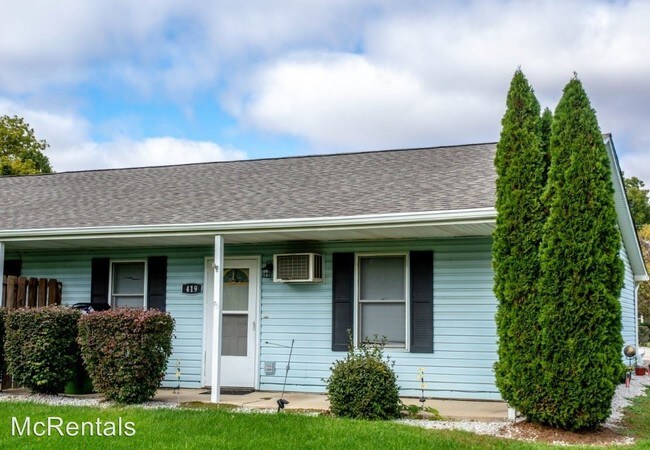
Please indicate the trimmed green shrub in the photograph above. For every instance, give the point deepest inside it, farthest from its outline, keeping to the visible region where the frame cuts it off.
(582, 274)
(521, 165)
(125, 351)
(364, 385)
(3, 313)
(40, 347)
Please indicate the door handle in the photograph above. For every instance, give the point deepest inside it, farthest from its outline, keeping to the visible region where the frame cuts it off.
(254, 326)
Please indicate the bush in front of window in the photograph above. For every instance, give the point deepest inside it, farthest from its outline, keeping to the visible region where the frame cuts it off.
(40, 347)
(125, 351)
(364, 385)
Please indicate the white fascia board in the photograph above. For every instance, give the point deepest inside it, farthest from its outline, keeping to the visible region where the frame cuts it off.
(452, 217)
(625, 221)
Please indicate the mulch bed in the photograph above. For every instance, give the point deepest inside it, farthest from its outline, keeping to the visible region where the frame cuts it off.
(534, 432)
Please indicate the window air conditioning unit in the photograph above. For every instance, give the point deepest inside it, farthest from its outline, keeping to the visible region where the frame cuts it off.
(298, 268)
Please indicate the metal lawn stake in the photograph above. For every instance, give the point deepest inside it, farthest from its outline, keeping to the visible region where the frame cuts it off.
(423, 386)
(177, 391)
(630, 353)
(281, 401)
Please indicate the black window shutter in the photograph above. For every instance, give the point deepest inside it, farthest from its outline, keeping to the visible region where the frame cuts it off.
(99, 280)
(421, 263)
(342, 299)
(12, 267)
(157, 283)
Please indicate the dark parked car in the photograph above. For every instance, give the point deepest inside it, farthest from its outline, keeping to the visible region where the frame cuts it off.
(90, 307)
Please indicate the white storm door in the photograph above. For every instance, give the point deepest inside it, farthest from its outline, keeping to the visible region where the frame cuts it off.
(239, 330)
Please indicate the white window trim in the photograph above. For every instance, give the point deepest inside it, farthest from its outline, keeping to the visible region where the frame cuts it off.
(407, 297)
(110, 279)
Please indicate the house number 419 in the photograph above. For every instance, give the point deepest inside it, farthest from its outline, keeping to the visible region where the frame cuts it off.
(191, 288)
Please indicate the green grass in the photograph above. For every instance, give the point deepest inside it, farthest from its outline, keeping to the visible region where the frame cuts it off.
(637, 420)
(207, 428)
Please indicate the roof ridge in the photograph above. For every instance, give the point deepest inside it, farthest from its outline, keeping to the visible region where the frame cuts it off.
(276, 158)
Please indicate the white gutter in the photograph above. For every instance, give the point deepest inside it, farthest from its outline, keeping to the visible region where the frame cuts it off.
(453, 217)
(624, 216)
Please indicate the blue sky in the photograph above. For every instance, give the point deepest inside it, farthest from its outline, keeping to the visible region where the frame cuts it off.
(124, 83)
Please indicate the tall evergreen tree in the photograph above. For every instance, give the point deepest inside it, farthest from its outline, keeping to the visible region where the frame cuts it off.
(582, 274)
(521, 175)
(545, 124)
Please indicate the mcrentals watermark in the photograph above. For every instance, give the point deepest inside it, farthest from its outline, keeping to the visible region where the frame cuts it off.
(56, 426)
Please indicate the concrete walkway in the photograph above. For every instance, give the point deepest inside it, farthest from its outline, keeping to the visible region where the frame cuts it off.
(449, 409)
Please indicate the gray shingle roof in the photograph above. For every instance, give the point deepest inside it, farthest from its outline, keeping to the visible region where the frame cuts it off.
(396, 181)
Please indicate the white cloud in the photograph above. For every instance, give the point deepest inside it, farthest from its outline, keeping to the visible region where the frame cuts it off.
(48, 43)
(438, 73)
(148, 152)
(347, 102)
(637, 165)
(175, 47)
(336, 74)
(72, 149)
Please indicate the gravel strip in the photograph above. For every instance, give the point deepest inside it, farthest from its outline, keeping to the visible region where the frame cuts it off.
(63, 400)
(622, 398)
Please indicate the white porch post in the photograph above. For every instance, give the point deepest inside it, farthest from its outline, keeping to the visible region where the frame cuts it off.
(216, 318)
(2, 268)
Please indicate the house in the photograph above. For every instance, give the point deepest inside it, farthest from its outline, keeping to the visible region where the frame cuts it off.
(290, 250)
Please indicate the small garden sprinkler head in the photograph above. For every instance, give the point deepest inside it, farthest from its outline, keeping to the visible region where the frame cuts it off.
(281, 402)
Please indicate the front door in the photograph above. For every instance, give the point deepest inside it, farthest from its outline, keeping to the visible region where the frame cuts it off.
(239, 330)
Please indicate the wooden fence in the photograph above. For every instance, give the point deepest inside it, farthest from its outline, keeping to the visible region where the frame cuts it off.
(20, 292)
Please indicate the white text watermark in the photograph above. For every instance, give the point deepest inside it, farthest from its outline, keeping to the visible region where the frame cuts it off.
(56, 426)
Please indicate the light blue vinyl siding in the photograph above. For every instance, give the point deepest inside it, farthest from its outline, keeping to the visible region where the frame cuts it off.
(464, 330)
(73, 269)
(464, 307)
(628, 302)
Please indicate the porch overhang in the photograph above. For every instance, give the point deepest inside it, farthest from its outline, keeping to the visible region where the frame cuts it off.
(420, 225)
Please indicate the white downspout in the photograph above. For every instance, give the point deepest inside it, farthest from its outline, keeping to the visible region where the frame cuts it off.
(217, 299)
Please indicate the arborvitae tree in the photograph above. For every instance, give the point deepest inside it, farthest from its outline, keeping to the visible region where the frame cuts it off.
(582, 274)
(521, 170)
(545, 129)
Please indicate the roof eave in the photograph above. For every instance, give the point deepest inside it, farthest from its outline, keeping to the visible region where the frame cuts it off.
(477, 215)
(624, 215)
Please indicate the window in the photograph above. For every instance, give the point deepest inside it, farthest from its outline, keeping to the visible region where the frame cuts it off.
(382, 299)
(128, 284)
(234, 328)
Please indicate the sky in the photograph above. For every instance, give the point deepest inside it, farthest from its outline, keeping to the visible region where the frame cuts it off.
(126, 83)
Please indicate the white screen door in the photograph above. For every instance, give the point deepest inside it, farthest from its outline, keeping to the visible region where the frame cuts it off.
(239, 330)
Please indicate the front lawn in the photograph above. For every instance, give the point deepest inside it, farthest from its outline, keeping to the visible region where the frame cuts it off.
(222, 428)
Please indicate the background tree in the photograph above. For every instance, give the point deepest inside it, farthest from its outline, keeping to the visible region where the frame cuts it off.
(21, 152)
(545, 123)
(637, 199)
(644, 288)
(521, 170)
(582, 274)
